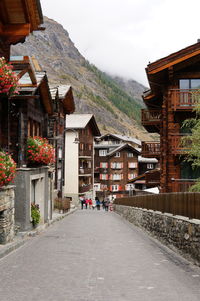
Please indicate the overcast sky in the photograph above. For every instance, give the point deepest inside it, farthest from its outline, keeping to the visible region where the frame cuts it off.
(123, 36)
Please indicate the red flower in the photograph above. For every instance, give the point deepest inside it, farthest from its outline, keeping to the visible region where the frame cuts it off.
(7, 168)
(40, 151)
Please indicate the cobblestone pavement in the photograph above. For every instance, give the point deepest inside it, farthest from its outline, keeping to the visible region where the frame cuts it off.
(96, 256)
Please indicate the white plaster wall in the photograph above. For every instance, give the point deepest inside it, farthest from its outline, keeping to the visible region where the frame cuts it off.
(71, 186)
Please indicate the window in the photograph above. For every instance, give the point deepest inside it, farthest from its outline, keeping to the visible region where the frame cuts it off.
(102, 152)
(59, 153)
(117, 154)
(117, 177)
(129, 187)
(132, 176)
(103, 176)
(129, 155)
(81, 146)
(115, 187)
(116, 165)
(150, 166)
(103, 165)
(132, 165)
(189, 84)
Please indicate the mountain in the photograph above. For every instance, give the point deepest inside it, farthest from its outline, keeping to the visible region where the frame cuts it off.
(115, 102)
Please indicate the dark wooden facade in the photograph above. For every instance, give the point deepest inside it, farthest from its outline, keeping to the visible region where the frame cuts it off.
(18, 18)
(63, 104)
(114, 167)
(175, 83)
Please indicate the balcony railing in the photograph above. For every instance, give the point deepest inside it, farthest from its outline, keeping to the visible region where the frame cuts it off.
(85, 171)
(151, 117)
(85, 188)
(150, 149)
(184, 99)
(178, 146)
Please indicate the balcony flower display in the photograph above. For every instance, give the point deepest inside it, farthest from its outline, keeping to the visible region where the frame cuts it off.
(7, 169)
(39, 151)
(8, 79)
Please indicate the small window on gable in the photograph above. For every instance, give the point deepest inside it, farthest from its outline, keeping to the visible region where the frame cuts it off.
(117, 154)
(129, 155)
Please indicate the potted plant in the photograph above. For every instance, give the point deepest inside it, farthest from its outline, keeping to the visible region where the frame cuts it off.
(8, 79)
(35, 214)
(7, 168)
(39, 151)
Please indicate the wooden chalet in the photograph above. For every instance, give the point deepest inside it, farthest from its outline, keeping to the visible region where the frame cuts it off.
(115, 164)
(80, 131)
(18, 18)
(63, 104)
(175, 83)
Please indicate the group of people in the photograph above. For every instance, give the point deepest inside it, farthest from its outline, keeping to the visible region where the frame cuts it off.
(88, 202)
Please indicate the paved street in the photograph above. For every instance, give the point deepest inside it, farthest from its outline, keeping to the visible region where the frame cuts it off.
(96, 256)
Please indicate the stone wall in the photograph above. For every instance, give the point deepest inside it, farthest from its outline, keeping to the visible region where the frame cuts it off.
(6, 214)
(177, 232)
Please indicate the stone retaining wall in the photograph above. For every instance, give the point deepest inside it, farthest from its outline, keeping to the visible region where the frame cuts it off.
(177, 232)
(7, 230)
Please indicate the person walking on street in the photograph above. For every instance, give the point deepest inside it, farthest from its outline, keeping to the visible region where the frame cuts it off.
(86, 203)
(82, 201)
(107, 202)
(90, 203)
(98, 203)
(103, 204)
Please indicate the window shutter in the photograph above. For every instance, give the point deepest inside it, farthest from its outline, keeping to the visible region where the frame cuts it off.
(110, 187)
(111, 177)
(106, 177)
(100, 176)
(106, 164)
(101, 165)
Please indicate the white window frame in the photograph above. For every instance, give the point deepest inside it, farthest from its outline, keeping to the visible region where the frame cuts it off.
(130, 187)
(130, 155)
(102, 152)
(117, 154)
(132, 165)
(149, 165)
(115, 187)
(117, 177)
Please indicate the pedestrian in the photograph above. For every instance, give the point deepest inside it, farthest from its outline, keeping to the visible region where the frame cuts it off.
(107, 202)
(103, 204)
(90, 203)
(86, 203)
(82, 201)
(98, 203)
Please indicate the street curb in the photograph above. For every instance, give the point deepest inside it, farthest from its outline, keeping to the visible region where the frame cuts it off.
(21, 238)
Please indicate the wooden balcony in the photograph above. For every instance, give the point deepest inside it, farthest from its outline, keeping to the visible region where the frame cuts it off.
(151, 120)
(85, 188)
(150, 149)
(177, 145)
(184, 100)
(85, 171)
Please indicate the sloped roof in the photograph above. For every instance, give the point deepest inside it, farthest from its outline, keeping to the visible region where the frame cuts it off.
(18, 18)
(174, 58)
(147, 160)
(65, 93)
(80, 121)
(122, 146)
(123, 138)
(30, 81)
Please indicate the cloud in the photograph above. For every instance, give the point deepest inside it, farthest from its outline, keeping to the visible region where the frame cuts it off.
(122, 36)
